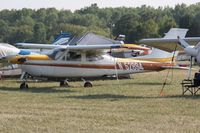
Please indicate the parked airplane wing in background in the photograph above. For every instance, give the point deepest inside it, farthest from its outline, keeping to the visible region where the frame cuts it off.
(170, 40)
(35, 46)
(61, 39)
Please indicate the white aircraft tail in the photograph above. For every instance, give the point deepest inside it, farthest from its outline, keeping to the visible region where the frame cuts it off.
(174, 32)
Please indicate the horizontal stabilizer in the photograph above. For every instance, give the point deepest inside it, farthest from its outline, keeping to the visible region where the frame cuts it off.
(176, 67)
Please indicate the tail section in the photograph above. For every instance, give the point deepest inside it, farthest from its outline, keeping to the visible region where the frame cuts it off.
(62, 39)
(174, 32)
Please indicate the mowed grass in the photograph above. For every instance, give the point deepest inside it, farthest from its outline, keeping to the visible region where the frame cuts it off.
(132, 105)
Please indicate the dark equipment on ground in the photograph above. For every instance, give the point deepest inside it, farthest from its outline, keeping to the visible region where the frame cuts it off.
(191, 85)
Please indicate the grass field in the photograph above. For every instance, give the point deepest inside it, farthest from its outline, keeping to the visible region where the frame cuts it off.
(132, 105)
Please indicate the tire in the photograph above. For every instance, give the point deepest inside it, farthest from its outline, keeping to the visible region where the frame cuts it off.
(88, 84)
(24, 86)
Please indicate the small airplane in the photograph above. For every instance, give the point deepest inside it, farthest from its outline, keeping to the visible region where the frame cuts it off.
(82, 61)
(177, 36)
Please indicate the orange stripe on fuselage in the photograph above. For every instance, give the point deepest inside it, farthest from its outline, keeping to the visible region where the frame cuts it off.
(163, 60)
(92, 66)
(156, 66)
(146, 60)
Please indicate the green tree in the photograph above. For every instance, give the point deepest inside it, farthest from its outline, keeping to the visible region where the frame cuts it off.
(21, 34)
(147, 29)
(127, 25)
(195, 26)
(166, 23)
(4, 30)
(39, 33)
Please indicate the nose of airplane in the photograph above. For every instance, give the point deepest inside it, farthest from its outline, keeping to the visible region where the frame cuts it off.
(17, 60)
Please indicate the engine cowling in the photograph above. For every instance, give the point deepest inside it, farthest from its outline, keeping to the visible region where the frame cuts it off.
(191, 50)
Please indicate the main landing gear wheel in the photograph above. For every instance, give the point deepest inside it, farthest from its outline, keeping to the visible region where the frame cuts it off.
(88, 84)
(24, 86)
(64, 84)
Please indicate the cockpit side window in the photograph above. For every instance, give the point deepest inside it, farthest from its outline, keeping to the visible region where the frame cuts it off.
(93, 57)
(56, 53)
(73, 56)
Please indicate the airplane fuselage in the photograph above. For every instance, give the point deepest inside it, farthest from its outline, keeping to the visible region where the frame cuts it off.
(103, 66)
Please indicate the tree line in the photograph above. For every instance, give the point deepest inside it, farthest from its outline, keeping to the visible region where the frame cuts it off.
(42, 25)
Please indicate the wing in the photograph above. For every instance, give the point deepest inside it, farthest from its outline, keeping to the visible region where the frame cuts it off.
(93, 47)
(170, 40)
(168, 44)
(74, 47)
(103, 46)
(36, 46)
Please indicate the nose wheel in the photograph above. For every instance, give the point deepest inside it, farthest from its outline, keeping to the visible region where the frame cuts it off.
(88, 84)
(24, 86)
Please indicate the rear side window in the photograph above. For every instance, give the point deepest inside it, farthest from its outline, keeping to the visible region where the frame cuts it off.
(92, 57)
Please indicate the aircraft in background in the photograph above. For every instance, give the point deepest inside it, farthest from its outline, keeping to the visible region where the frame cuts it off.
(191, 50)
(8, 51)
(62, 39)
(177, 36)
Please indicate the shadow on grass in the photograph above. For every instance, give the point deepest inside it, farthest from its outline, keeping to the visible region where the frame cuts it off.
(117, 97)
(139, 83)
(150, 83)
(38, 90)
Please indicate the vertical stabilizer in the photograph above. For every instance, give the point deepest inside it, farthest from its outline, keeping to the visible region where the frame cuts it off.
(174, 32)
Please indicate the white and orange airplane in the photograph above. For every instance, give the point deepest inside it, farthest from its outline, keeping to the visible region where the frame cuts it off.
(82, 61)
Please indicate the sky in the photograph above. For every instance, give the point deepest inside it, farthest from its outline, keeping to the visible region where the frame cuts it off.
(78, 4)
